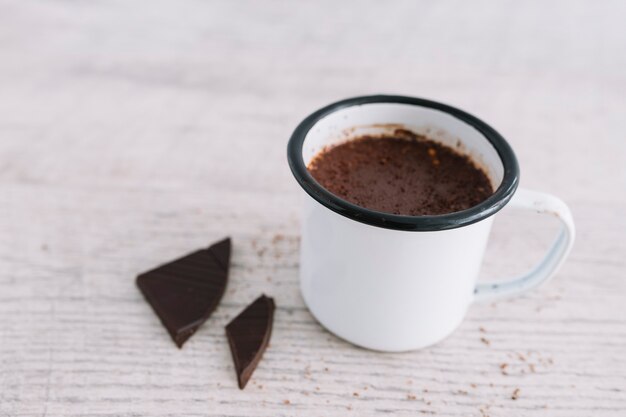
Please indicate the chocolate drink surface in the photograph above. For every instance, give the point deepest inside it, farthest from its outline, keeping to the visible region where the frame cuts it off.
(401, 173)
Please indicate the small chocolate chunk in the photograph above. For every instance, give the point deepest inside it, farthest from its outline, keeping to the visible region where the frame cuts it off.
(248, 335)
(184, 292)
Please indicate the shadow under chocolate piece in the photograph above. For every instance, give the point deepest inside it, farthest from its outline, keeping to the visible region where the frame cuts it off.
(248, 335)
(184, 292)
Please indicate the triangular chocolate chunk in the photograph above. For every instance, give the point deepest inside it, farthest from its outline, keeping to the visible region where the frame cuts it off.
(248, 336)
(184, 292)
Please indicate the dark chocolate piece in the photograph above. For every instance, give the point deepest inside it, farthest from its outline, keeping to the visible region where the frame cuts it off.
(248, 335)
(184, 292)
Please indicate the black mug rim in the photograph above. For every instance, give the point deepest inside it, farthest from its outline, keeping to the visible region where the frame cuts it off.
(486, 208)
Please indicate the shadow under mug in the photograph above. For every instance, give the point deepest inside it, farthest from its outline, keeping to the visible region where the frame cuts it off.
(395, 283)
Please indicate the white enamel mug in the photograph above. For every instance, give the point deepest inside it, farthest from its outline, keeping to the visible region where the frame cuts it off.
(395, 283)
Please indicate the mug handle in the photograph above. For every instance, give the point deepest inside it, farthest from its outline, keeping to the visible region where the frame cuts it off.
(544, 204)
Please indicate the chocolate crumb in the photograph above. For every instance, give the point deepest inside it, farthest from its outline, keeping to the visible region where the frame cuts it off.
(411, 397)
(515, 394)
(355, 394)
(286, 402)
(485, 341)
(503, 367)
(482, 329)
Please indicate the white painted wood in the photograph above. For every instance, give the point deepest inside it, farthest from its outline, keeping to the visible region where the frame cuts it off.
(132, 132)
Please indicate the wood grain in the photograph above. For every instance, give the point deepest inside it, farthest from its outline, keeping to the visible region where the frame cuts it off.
(132, 133)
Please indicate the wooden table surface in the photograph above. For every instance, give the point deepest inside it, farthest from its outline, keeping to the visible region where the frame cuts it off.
(134, 132)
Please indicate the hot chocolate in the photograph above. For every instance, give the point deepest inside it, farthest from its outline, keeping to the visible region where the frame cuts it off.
(402, 173)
